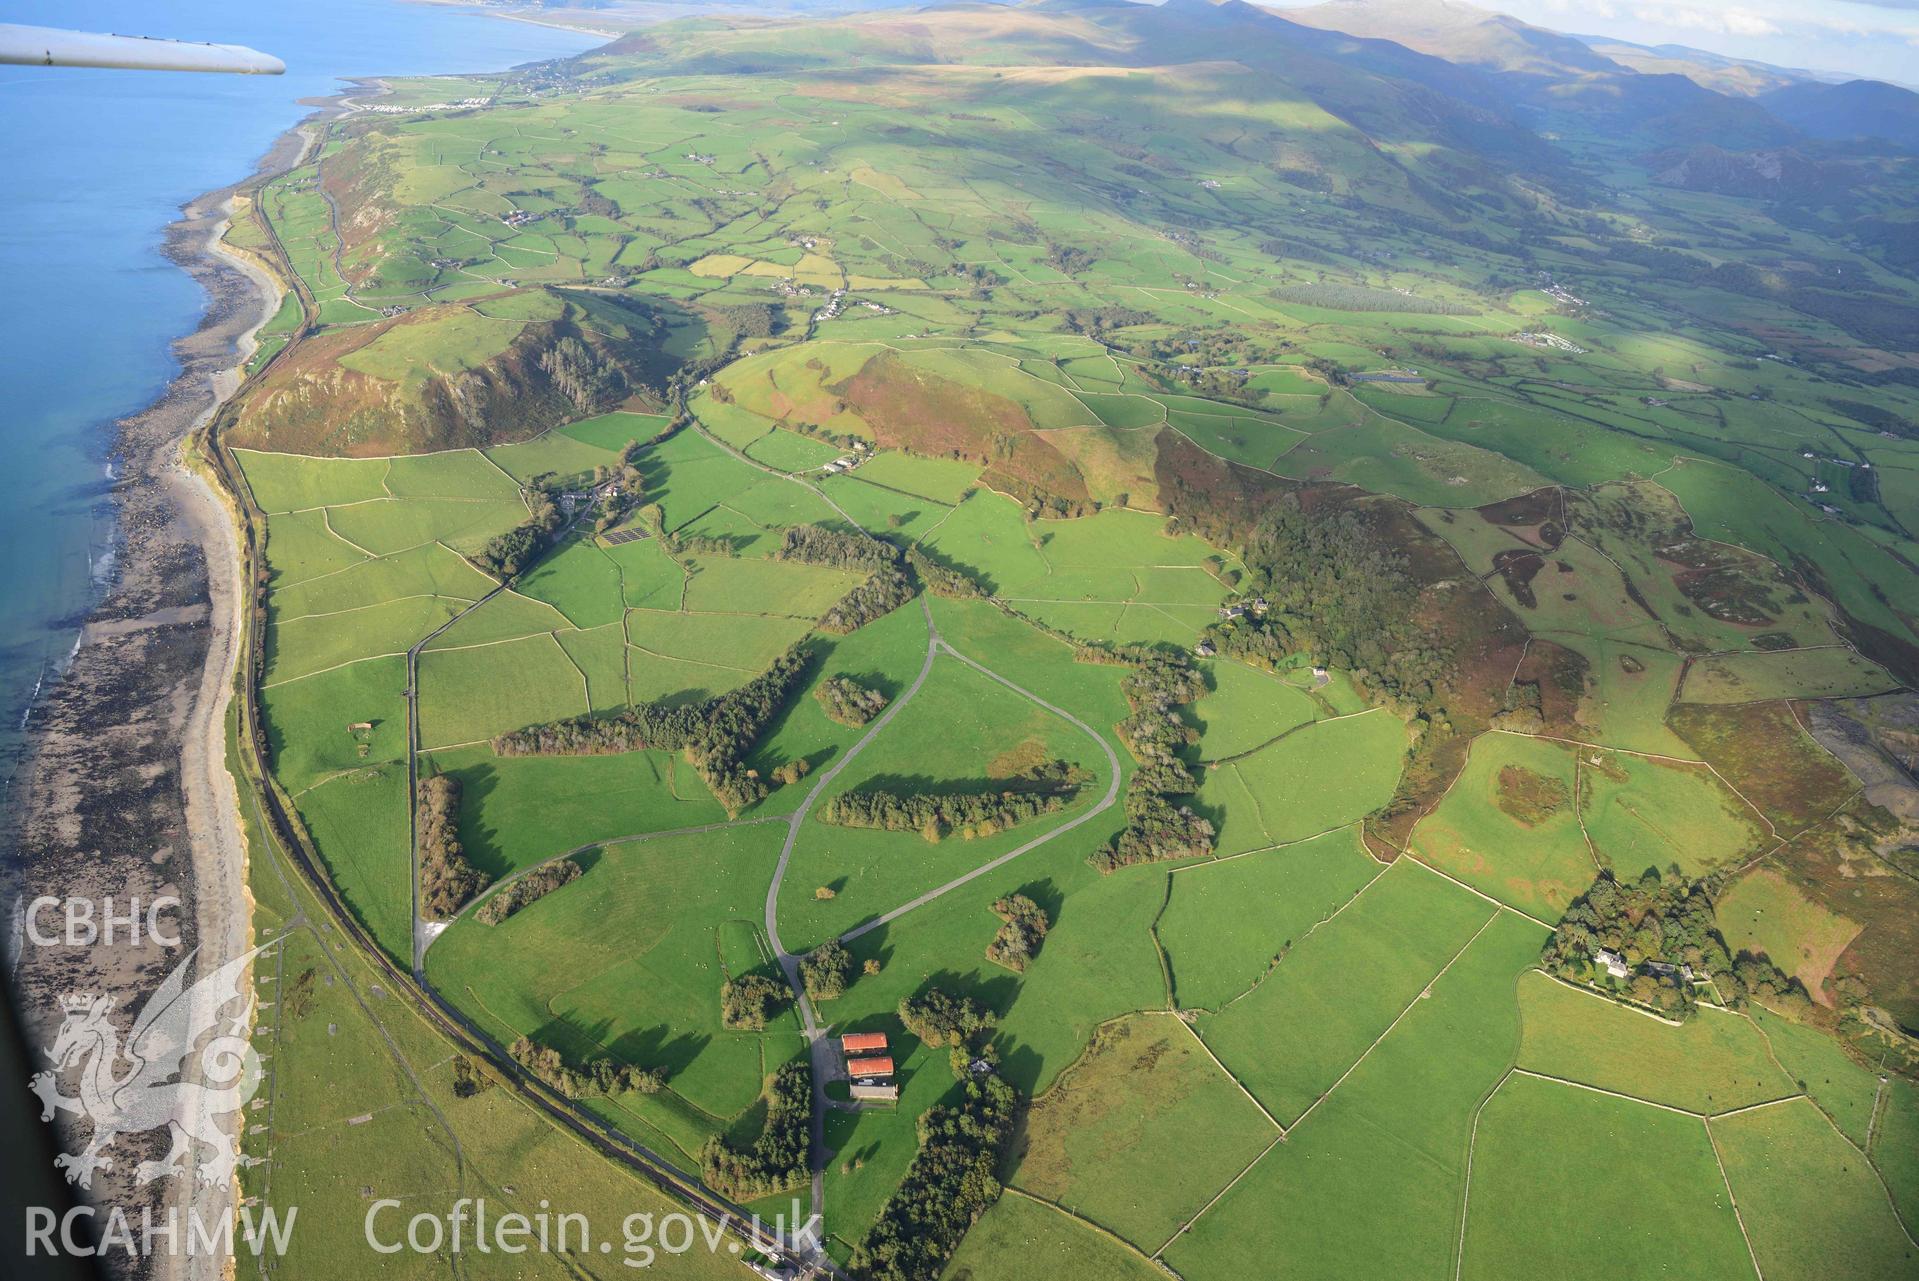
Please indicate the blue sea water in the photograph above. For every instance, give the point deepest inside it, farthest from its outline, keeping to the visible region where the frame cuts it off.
(97, 163)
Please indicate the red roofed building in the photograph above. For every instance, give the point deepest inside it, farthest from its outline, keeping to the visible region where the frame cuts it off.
(862, 1042)
(857, 1068)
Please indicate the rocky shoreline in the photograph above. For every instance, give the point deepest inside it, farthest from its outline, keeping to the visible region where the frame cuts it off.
(124, 793)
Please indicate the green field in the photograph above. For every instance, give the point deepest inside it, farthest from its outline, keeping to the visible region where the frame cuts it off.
(1226, 923)
(1714, 1062)
(1811, 1204)
(1373, 1180)
(646, 918)
(1402, 932)
(1644, 1196)
(1509, 826)
(1020, 1239)
(1135, 1134)
(1324, 775)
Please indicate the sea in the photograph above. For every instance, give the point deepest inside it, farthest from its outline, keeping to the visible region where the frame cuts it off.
(97, 163)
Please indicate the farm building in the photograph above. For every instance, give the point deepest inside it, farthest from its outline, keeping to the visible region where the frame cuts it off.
(862, 1043)
(874, 1092)
(857, 1068)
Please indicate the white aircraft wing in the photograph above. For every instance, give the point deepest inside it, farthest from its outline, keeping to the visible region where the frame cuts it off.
(53, 47)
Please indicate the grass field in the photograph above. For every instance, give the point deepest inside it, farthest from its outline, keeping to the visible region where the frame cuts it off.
(1324, 775)
(1245, 709)
(1806, 673)
(626, 962)
(1509, 826)
(1812, 1205)
(1643, 1197)
(1642, 813)
(1137, 1132)
(1020, 1239)
(1762, 912)
(1373, 1181)
(961, 731)
(1841, 1088)
(1226, 922)
(1290, 1038)
(1714, 1062)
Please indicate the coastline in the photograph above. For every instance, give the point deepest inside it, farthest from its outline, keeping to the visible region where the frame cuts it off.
(124, 789)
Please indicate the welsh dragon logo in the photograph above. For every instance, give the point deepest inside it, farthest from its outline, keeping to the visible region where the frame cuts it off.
(186, 1065)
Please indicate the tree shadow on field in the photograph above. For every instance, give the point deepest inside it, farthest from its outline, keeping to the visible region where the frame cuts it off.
(660, 1047)
(479, 839)
(818, 651)
(887, 685)
(944, 561)
(995, 991)
(1047, 895)
(871, 946)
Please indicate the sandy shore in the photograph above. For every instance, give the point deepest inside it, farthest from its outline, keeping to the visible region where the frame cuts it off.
(126, 791)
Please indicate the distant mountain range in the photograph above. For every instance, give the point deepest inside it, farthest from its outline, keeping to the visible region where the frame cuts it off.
(1699, 95)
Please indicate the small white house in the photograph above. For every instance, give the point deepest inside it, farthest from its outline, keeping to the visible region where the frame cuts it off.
(1613, 963)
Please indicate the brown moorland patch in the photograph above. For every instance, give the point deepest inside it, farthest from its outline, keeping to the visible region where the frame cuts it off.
(1761, 750)
(912, 408)
(1842, 866)
(1528, 797)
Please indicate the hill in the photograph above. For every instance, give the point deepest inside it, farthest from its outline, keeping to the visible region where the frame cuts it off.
(1460, 33)
(453, 375)
(1714, 71)
(1856, 110)
(1537, 71)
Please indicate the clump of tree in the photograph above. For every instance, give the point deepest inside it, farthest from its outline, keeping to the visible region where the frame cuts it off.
(506, 555)
(1023, 928)
(1662, 929)
(1088, 320)
(939, 1018)
(776, 1162)
(950, 1183)
(792, 771)
(601, 1077)
(536, 884)
(943, 580)
(882, 593)
(751, 1001)
(819, 545)
(447, 880)
(886, 588)
(849, 702)
(1339, 594)
(827, 971)
(1046, 788)
(1156, 829)
(1162, 680)
(469, 1078)
(715, 736)
(589, 382)
(752, 320)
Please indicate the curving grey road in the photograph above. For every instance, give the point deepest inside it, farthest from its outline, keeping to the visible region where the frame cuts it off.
(819, 1046)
